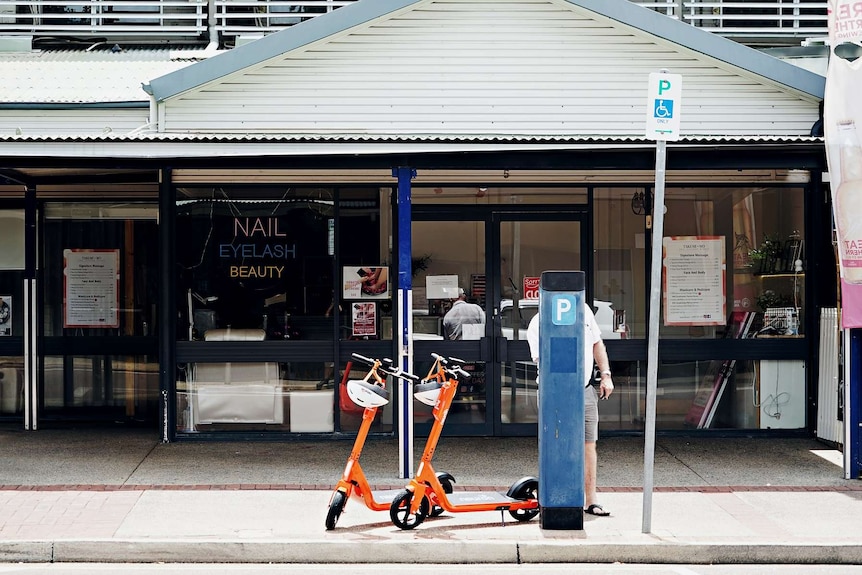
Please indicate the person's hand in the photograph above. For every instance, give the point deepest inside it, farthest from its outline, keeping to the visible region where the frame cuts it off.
(606, 387)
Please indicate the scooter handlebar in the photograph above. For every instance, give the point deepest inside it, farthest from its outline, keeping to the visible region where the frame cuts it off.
(386, 366)
(458, 371)
(362, 358)
(398, 372)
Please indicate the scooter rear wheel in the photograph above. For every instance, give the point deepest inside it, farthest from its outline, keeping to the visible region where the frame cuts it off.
(400, 514)
(448, 488)
(336, 506)
(528, 490)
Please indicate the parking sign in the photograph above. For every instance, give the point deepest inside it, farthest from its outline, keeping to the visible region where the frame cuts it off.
(663, 106)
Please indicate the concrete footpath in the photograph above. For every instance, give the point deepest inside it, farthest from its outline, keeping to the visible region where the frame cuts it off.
(120, 496)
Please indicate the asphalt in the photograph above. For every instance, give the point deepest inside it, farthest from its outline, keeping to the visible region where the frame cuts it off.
(115, 495)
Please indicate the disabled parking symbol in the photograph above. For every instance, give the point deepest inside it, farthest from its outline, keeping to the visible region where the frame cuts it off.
(663, 109)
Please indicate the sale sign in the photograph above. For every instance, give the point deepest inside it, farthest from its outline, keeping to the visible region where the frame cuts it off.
(531, 288)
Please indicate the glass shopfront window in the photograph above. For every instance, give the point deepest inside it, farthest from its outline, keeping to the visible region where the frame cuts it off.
(734, 268)
(749, 243)
(265, 309)
(709, 394)
(11, 313)
(255, 259)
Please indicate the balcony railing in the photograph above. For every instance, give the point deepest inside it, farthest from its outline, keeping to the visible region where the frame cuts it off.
(776, 22)
(779, 22)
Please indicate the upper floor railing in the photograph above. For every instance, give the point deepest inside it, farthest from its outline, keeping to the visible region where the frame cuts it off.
(778, 22)
(774, 22)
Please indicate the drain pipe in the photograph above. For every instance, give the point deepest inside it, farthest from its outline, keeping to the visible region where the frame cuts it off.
(211, 25)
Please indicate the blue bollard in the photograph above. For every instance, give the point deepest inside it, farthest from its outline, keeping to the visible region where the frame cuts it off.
(561, 399)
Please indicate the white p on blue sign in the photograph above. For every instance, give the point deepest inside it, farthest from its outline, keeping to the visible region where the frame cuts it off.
(563, 310)
(663, 106)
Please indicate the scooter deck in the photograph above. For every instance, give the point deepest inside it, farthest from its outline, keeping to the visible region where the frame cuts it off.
(384, 495)
(480, 498)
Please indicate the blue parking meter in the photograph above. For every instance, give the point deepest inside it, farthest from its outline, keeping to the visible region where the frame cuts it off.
(561, 399)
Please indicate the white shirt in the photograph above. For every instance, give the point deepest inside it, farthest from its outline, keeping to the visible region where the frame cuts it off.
(592, 332)
(461, 313)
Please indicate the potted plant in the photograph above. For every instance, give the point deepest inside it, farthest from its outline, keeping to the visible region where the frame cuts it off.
(766, 255)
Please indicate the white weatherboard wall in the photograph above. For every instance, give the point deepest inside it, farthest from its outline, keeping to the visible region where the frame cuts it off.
(526, 67)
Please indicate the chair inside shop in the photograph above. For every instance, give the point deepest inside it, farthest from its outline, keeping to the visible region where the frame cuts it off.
(237, 392)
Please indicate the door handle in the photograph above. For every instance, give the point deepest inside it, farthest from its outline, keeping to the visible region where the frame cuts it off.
(502, 349)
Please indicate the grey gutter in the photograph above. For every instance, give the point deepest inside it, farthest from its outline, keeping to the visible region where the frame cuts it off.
(708, 44)
(271, 46)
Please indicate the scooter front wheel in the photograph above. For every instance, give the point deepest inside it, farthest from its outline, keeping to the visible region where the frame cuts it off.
(336, 506)
(400, 514)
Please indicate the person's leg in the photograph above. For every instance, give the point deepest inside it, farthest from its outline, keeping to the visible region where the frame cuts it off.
(590, 461)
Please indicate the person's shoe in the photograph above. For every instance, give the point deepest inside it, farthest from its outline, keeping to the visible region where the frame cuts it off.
(597, 510)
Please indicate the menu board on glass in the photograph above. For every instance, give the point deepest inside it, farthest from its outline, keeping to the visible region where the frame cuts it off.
(91, 288)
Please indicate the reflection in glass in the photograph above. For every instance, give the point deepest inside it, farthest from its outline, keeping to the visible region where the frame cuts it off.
(11, 386)
(128, 385)
(265, 396)
(709, 394)
(468, 407)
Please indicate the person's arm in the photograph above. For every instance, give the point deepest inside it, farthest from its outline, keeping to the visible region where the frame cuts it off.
(600, 354)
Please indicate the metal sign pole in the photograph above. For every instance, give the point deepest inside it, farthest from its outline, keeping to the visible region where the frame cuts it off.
(652, 350)
(662, 124)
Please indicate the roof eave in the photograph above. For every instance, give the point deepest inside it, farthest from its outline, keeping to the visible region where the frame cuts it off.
(271, 46)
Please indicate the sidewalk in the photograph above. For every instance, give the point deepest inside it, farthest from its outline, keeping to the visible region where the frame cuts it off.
(83, 496)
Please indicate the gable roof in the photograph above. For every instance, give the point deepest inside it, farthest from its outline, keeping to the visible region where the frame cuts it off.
(623, 12)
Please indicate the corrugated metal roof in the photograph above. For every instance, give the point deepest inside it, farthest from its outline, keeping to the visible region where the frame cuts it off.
(81, 77)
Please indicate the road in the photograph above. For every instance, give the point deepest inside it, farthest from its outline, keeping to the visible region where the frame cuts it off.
(367, 569)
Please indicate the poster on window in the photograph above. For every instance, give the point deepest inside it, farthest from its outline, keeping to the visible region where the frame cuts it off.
(842, 131)
(365, 282)
(91, 293)
(693, 281)
(5, 315)
(364, 319)
(442, 287)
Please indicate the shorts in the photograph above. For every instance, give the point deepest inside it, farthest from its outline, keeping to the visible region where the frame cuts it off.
(591, 413)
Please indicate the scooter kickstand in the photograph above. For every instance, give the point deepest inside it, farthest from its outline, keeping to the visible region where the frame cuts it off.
(502, 518)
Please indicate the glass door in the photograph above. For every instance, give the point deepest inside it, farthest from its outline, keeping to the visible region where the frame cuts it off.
(450, 311)
(484, 262)
(98, 317)
(525, 245)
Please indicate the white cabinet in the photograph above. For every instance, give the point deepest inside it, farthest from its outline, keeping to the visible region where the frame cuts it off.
(782, 394)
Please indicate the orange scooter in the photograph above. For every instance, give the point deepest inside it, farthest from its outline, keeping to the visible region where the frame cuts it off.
(371, 394)
(413, 504)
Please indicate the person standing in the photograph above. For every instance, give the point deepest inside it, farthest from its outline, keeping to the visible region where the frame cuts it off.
(460, 314)
(594, 351)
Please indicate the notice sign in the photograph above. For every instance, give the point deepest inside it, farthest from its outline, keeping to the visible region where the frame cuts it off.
(531, 288)
(365, 282)
(663, 106)
(91, 288)
(364, 315)
(694, 288)
(5, 315)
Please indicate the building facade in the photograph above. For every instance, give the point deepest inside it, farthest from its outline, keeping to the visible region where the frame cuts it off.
(203, 254)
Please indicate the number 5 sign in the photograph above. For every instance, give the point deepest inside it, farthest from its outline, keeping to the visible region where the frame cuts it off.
(663, 106)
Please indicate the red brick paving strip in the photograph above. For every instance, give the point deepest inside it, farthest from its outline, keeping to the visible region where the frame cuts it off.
(323, 487)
